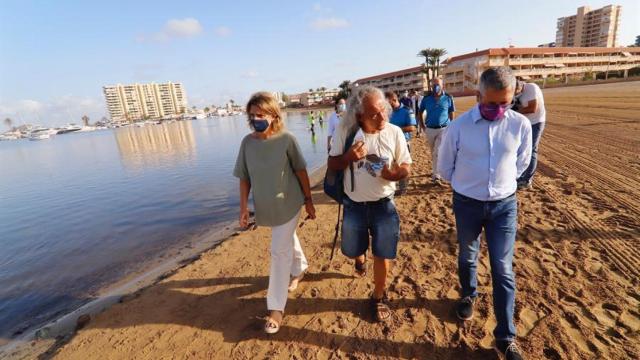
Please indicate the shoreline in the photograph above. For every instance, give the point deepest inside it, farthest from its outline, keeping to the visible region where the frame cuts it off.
(122, 289)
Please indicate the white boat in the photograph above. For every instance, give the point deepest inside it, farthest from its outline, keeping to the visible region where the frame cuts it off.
(40, 134)
(68, 128)
(4, 137)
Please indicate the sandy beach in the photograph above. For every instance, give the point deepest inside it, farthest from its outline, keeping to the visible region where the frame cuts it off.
(576, 261)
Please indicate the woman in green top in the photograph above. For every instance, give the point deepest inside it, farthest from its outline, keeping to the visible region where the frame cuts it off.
(271, 164)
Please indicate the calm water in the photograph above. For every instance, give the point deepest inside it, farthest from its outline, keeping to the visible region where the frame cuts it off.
(82, 210)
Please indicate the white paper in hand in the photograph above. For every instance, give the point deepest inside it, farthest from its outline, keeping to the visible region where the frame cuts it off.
(359, 136)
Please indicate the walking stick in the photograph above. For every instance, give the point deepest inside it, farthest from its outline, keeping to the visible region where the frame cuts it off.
(335, 236)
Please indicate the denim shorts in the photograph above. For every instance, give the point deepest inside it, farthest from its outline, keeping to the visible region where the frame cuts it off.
(378, 219)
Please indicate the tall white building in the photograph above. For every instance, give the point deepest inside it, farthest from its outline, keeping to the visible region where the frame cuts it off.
(589, 28)
(145, 101)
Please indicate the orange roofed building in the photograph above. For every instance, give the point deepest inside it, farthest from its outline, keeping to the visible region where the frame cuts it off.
(461, 73)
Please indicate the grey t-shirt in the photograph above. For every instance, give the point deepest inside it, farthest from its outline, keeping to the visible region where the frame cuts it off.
(270, 165)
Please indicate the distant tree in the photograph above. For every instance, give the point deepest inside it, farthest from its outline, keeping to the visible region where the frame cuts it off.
(429, 62)
(637, 43)
(194, 108)
(436, 54)
(345, 89)
(85, 120)
(8, 122)
(285, 98)
(206, 109)
(310, 90)
(104, 120)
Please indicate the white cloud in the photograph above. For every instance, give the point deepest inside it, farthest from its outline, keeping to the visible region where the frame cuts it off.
(327, 23)
(250, 74)
(173, 29)
(56, 112)
(319, 8)
(30, 105)
(223, 31)
(187, 27)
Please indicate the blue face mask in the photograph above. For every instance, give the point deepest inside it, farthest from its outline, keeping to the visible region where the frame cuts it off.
(260, 125)
(436, 89)
(342, 107)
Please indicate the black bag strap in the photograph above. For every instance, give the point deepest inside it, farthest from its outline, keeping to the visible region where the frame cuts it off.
(347, 145)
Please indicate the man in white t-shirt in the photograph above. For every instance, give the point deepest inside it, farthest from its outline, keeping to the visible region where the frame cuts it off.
(380, 158)
(340, 107)
(530, 103)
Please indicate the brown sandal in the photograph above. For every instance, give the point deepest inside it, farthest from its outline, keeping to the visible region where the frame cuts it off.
(380, 308)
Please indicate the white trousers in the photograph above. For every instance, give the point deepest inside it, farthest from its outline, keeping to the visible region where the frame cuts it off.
(433, 139)
(287, 259)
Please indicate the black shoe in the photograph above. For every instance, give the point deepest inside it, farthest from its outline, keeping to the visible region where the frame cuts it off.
(524, 185)
(464, 309)
(508, 350)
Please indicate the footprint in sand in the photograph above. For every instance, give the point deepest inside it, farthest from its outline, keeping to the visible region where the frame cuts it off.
(528, 320)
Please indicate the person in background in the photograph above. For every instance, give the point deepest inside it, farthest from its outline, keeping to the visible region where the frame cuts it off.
(312, 121)
(340, 106)
(380, 158)
(440, 110)
(406, 100)
(271, 165)
(530, 103)
(415, 106)
(482, 154)
(402, 117)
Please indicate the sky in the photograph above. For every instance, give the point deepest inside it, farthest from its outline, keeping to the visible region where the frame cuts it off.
(55, 56)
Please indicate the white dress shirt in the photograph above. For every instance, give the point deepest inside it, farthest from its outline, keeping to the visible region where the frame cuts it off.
(482, 159)
(334, 120)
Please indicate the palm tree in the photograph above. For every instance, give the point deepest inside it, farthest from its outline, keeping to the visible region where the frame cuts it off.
(345, 89)
(8, 122)
(427, 54)
(436, 54)
(85, 120)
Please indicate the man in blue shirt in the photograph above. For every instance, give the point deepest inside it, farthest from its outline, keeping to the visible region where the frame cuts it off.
(482, 154)
(440, 109)
(402, 117)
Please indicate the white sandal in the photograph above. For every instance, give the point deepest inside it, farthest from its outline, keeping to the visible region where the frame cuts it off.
(295, 281)
(272, 326)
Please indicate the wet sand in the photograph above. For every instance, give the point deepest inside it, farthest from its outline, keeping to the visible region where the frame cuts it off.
(576, 262)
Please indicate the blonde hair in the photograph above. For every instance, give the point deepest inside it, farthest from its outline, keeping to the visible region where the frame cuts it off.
(266, 102)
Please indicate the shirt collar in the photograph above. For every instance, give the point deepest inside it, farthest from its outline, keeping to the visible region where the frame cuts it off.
(475, 113)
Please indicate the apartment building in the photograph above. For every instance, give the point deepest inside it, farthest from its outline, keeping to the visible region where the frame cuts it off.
(589, 28)
(313, 98)
(461, 73)
(144, 101)
(409, 79)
